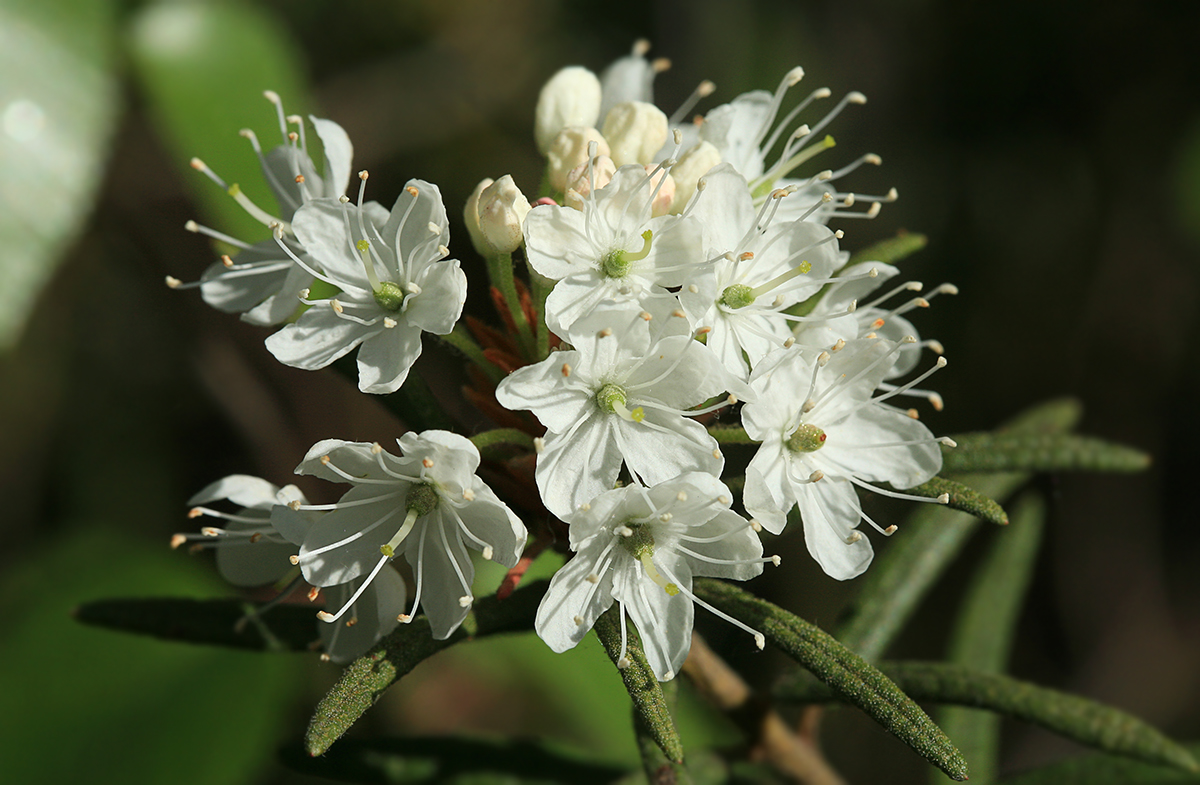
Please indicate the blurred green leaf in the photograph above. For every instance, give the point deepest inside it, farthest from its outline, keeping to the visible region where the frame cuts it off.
(454, 761)
(1105, 770)
(90, 706)
(58, 108)
(215, 622)
(203, 67)
(649, 705)
(982, 636)
(962, 497)
(854, 679)
(1003, 452)
(930, 539)
(1071, 716)
(366, 679)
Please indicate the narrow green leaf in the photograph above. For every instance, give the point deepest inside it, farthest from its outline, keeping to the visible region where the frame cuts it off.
(1076, 718)
(891, 251)
(203, 67)
(964, 498)
(649, 704)
(59, 101)
(930, 539)
(988, 452)
(448, 760)
(854, 679)
(1105, 770)
(215, 622)
(983, 633)
(366, 679)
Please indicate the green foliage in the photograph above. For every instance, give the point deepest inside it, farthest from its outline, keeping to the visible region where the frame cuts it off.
(1045, 452)
(214, 622)
(854, 679)
(1106, 770)
(59, 101)
(1078, 719)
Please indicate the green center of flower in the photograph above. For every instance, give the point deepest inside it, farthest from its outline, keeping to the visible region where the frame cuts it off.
(737, 296)
(611, 400)
(389, 295)
(618, 263)
(638, 540)
(807, 438)
(420, 500)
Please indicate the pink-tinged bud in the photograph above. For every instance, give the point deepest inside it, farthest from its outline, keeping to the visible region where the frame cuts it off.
(471, 217)
(662, 185)
(571, 97)
(570, 149)
(502, 211)
(635, 131)
(580, 181)
(692, 165)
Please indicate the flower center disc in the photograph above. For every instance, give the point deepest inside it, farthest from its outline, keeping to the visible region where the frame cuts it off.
(390, 296)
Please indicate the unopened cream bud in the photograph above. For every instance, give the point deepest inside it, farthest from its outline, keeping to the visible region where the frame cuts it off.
(471, 217)
(580, 180)
(662, 185)
(692, 165)
(502, 211)
(571, 97)
(635, 131)
(568, 151)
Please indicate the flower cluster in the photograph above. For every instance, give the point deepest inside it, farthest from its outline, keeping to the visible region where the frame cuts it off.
(683, 271)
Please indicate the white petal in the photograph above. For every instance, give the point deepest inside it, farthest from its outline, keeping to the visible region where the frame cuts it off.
(246, 563)
(317, 338)
(664, 621)
(241, 489)
(339, 154)
(544, 390)
(492, 521)
(386, 358)
(848, 446)
(442, 588)
(743, 545)
(439, 305)
(676, 446)
(831, 512)
(453, 457)
(564, 601)
(356, 459)
(574, 469)
(769, 492)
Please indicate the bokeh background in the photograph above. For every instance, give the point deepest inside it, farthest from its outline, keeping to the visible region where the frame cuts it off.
(1050, 151)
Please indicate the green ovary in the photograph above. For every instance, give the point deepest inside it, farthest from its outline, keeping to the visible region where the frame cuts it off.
(618, 263)
(640, 546)
(807, 438)
(737, 296)
(390, 296)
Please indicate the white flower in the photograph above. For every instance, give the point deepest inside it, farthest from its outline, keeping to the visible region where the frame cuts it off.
(257, 546)
(759, 266)
(394, 279)
(427, 504)
(822, 433)
(641, 547)
(614, 249)
(622, 395)
(250, 552)
(748, 129)
(570, 97)
(262, 281)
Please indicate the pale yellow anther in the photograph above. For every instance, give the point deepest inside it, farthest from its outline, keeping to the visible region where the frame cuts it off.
(294, 504)
(294, 559)
(606, 332)
(566, 369)
(173, 282)
(645, 316)
(299, 178)
(745, 256)
(335, 305)
(693, 288)
(412, 191)
(427, 463)
(227, 260)
(363, 175)
(468, 494)
(177, 540)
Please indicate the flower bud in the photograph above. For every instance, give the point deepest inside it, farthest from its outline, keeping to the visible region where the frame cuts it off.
(502, 211)
(635, 132)
(471, 217)
(570, 149)
(692, 165)
(571, 97)
(579, 183)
